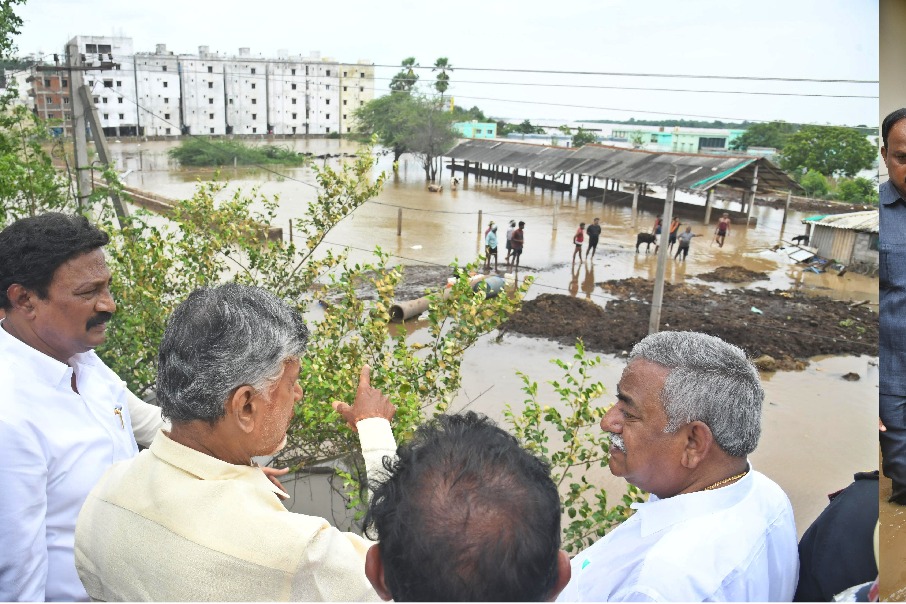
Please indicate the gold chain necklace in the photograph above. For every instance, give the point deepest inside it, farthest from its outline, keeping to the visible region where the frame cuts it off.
(720, 483)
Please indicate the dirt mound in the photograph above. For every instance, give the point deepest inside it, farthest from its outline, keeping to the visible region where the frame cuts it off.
(783, 325)
(733, 274)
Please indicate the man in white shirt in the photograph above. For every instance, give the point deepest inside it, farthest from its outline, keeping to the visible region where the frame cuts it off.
(191, 518)
(688, 413)
(64, 416)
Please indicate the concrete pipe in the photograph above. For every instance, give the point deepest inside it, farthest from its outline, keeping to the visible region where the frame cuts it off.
(403, 311)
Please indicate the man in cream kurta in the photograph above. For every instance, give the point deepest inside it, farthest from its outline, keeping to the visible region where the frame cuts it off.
(192, 518)
(213, 531)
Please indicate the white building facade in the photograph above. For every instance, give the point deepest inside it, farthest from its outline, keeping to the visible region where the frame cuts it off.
(164, 94)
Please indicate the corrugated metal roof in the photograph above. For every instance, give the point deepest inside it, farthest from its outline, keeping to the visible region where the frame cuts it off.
(866, 222)
(693, 171)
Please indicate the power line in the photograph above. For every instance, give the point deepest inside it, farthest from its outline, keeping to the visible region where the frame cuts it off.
(644, 75)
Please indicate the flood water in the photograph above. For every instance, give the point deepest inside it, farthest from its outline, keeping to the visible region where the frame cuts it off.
(818, 429)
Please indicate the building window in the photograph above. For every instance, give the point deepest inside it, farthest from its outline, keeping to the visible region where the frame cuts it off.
(47, 82)
(254, 130)
(292, 72)
(345, 88)
(212, 131)
(254, 101)
(362, 75)
(210, 69)
(122, 116)
(104, 48)
(344, 74)
(104, 99)
(294, 115)
(327, 101)
(348, 129)
(166, 100)
(712, 143)
(210, 84)
(254, 116)
(344, 101)
(120, 100)
(108, 83)
(166, 84)
(164, 68)
(231, 101)
(293, 86)
(294, 129)
(327, 129)
(327, 87)
(106, 116)
(65, 101)
(119, 83)
(91, 48)
(96, 100)
(328, 73)
(167, 131)
(344, 116)
(65, 83)
(50, 116)
(210, 101)
(166, 116)
(361, 89)
(253, 71)
(294, 101)
(210, 116)
(327, 117)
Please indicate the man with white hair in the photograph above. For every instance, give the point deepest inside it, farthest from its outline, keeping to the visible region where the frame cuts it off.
(192, 518)
(688, 413)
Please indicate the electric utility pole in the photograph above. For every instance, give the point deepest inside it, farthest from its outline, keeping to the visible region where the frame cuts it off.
(663, 252)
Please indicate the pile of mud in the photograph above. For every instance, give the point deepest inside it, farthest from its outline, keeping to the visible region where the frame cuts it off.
(787, 326)
(732, 274)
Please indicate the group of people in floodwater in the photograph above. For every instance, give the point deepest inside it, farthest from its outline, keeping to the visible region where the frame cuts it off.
(515, 241)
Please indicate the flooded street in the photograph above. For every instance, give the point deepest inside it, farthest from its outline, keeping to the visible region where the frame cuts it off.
(818, 429)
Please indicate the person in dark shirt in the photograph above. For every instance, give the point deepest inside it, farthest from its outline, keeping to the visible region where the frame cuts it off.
(594, 232)
(892, 288)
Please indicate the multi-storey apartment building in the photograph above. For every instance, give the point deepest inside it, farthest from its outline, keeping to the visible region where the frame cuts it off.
(204, 96)
(157, 81)
(113, 90)
(165, 94)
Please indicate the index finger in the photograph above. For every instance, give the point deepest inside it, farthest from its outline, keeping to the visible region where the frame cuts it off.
(365, 377)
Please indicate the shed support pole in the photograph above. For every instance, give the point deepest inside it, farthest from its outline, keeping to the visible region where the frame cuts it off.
(752, 195)
(708, 200)
(465, 172)
(635, 196)
(786, 210)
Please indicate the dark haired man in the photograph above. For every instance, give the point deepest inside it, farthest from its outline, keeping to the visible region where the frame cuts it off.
(64, 415)
(518, 242)
(466, 514)
(892, 288)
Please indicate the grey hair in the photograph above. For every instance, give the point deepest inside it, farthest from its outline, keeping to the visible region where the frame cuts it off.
(710, 381)
(221, 338)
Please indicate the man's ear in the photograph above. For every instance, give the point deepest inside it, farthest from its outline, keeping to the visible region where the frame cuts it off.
(21, 298)
(564, 573)
(699, 440)
(244, 408)
(374, 570)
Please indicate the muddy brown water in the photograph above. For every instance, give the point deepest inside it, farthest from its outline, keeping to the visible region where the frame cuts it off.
(818, 428)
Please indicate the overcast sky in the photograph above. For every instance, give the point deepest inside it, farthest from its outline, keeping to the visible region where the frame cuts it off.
(794, 39)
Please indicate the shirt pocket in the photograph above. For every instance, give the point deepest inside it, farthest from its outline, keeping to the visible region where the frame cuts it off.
(892, 266)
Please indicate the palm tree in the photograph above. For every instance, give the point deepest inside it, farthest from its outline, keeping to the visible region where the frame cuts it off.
(405, 80)
(443, 80)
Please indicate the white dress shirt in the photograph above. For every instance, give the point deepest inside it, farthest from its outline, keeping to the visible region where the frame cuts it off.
(54, 446)
(735, 543)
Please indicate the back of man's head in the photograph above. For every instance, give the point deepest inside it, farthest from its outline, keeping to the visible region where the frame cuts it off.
(466, 514)
(33, 248)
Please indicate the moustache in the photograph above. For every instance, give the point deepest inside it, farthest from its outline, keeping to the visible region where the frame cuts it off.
(616, 441)
(98, 319)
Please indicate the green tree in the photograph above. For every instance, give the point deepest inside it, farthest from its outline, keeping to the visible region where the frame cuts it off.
(770, 134)
(443, 78)
(410, 123)
(583, 137)
(830, 150)
(814, 183)
(405, 80)
(857, 190)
